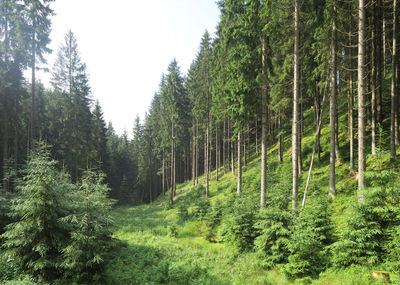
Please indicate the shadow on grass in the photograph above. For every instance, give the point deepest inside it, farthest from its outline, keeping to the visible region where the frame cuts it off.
(133, 219)
(138, 264)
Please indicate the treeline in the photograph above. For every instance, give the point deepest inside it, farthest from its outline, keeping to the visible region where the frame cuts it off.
(64, 116)
(250, 86)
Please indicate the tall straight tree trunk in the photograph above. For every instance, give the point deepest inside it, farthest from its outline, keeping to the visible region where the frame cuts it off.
(393, 94)
(373, 79)
(263, 123)
(384, 41)
(295, 125)
(172, 165)
(239, 157)
(257, 135)
(216, 153)
(244, 147)
(223, 147)
(5, 152)
(361, 97)
(280, 139)
(300, 123)
(163, 173)
(197, 152)
(332, 107)
(194, 154)
(207, 164)
(379, 61)
(350, 98)
(33, 90)
(232, 154)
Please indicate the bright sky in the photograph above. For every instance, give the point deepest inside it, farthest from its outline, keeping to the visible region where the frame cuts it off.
(128, 44)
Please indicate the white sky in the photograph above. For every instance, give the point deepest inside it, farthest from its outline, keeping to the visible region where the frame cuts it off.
(128, 44)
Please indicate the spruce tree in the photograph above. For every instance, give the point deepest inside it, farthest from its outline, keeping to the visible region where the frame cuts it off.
(36, 238)
(90, 235)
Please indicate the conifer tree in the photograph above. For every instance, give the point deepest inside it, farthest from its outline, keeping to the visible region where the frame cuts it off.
(90, 235)
(37, 29)
(37, 237)
(69, 77)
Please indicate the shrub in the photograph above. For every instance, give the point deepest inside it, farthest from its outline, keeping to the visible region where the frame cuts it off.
(274, 225)
(200, 208)
(237, 227)
(172, 231)
(213, 219)
(311, 234)
(370, 220)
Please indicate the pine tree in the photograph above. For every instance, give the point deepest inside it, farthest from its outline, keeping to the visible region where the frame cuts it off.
(69, 78)
(37, 237)
(37, 29)
(90, 236)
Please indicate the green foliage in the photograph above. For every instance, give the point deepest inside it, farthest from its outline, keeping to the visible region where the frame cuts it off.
(200, 209)
(237, 226)
(172, 231)
(370, 220)
(5, 203)
(274, 224)
(393, 250)
(213, 220)
(38, 235)
(9, 269)
(90, 234)
(308, 244)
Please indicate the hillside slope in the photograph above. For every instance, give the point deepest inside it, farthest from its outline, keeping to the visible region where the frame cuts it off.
(193, 241)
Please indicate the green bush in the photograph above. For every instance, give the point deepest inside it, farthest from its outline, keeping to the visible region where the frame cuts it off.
(308, 243)
(237, 227)
(393, 250)
(200, 208)
(274, 224)
(213, 220)
(172, 231)
(370, 220)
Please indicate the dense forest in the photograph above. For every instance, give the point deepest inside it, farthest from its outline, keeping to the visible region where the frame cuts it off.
(312, 87)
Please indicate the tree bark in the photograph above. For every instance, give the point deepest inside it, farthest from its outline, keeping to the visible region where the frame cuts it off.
(263, 123)
(295, 125)
(373, 80)
(5, 152)
(33, 89)
(216, 153)
(223, 147)
(194, 155)
(280, 140)
(197, 152)
(207, 163)
(163, 174)
(232, 154)
(361, 97)
(393, 93)
(172, 195)
(256, 135)
(332, 107)
(239, 156)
